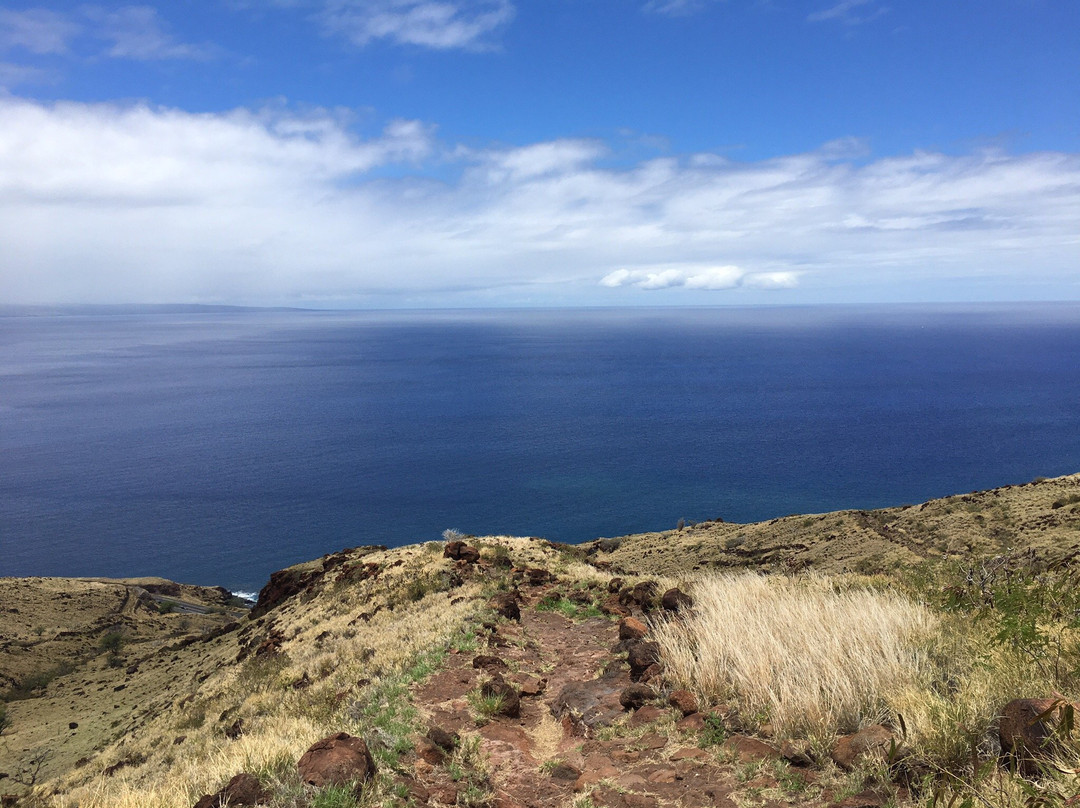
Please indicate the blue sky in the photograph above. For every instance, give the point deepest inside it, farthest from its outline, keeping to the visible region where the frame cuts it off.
(557, 152)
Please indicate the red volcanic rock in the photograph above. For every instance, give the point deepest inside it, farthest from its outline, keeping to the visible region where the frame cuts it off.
(336, 760)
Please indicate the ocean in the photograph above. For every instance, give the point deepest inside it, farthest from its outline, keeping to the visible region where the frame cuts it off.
(215, 446)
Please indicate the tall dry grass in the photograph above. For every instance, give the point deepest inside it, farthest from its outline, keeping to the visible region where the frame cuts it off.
(798, 653)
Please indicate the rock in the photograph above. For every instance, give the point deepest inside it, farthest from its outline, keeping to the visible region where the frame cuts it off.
(614, 585)
(612, 607)
(283, 584)
(675, 600)
(506, 605)
(447, 741)
(235, 730)
(641, 655)
(646, 715)
(453, 549)
(748, 750)
(634, 696)
(1025, 735)
(429, 752)
(489, 663)
(873, 740)
(529, 685)
(593, 704)
(470, 555)
(565, 773)
(511, 699)
(608, 545)
(630, 628)
(336, 760)
(73, 725)
(243, 789)
(536, 576)
(684, 701)
(692, 723)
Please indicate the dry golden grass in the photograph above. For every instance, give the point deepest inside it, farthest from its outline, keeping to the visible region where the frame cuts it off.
(796, 652)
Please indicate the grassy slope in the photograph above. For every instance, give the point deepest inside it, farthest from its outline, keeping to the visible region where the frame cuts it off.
(985, 522)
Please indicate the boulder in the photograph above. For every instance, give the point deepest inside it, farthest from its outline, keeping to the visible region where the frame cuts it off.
(336, 760)
(460, 551)
(1027, 727)
(634, 696)
(614, 585)
(630, 628)
(447, 741)
(675, 600)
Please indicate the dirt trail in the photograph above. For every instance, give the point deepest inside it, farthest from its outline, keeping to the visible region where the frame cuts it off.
(548, 757)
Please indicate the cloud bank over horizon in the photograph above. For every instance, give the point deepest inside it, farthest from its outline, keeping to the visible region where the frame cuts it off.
(108, 202)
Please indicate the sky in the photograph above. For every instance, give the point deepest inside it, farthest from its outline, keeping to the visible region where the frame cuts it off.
(419, 153)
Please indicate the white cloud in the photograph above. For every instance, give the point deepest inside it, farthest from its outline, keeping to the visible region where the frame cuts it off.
(134, 203)
(437, 24)
(675, 8)
(37, 30)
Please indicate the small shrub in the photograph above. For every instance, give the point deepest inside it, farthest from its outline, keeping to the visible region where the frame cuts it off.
(484, 706)
(111, 642)
(453, 534)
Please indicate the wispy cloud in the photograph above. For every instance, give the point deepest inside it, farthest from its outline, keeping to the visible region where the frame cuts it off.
(850, 12)
(676, 8)
(136, 32)
(437, 24)
(128, 32)
(260, 207)
(36, 30)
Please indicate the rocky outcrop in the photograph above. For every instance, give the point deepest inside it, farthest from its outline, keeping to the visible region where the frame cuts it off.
(1028, 727)
(283, 584)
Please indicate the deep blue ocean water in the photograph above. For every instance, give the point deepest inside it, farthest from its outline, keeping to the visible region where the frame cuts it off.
(216, 447)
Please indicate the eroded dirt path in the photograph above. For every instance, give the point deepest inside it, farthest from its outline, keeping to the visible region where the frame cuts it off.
(572, 739)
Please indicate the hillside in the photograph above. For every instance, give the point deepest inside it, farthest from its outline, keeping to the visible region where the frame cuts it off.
(1041, 516)
(529, 654)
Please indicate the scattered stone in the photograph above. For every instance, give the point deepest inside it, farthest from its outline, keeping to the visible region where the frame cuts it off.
(614, 585)
(645, 715)
(675, 600)
(641, 655)
(530, 685)
(506, 605)
(511, 699)
(748, 750)
(536, 576)
(489, 663)
(235, 730)
(336, 760)
(565, 773)
(303, 682)
(589, 704)
(630, 628)
(865, 799)
(692, 723)
(873, 740)
(689, 753)
(243, 789)
(447, 741)
(73, 725)
(613, 607)
(430, 752)
(684, 701)
(635, 696)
